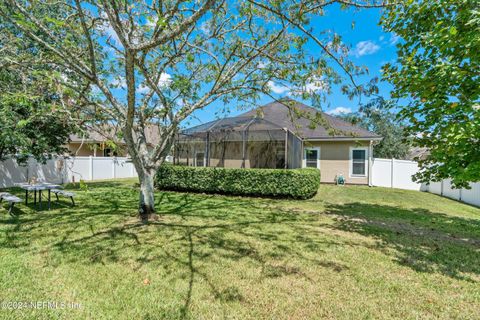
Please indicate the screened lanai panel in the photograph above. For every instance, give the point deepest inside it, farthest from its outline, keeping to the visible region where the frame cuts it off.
(294, 151)
(225, 149)
(188, 149)
(239, 142)
(265, 148)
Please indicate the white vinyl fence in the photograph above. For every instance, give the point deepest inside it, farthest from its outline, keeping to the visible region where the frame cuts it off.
(394, 173)
(390, 173)
(65, 170)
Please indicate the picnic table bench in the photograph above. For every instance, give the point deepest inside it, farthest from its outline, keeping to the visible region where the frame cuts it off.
(11, 199)
(64, 193)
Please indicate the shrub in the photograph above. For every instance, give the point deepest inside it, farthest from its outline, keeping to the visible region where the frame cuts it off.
(291, 183)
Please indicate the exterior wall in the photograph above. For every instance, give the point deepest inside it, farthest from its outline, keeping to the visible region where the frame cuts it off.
(86, 150)
(335, 159)
(80, 150)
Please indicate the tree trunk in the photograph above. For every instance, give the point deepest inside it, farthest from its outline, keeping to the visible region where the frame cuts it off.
(147, 204)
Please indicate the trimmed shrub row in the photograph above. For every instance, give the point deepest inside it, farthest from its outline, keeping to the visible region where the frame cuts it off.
(292, 183)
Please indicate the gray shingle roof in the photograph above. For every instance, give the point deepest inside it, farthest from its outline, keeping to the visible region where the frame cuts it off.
(306, 122)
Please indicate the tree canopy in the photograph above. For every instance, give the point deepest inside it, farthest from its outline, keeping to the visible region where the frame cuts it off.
(377, 116)
(34, 118)
(437, 76)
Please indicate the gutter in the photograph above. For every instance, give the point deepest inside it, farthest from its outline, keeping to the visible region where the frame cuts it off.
(345, 139)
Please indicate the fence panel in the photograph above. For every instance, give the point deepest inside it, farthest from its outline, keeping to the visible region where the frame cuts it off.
(472, 196)
(403, 170)
(124, 169)
(102, 168)
(382, 172)
(77, 169)
(11, 172)
(51, 171)
(394, 173)
(449, 192)
(435, 187)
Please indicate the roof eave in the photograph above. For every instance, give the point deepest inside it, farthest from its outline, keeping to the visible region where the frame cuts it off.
(344, 139)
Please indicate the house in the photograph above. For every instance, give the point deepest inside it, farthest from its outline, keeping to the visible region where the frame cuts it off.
(281, 134)
(94, 144)
(417, 153)
(104, 142)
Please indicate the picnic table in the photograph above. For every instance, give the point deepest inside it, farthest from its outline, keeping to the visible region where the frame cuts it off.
(38, 188)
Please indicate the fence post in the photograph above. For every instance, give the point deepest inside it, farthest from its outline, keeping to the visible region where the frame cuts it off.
(91, 167)
(113, 166)
(391, 173)
(441, 188)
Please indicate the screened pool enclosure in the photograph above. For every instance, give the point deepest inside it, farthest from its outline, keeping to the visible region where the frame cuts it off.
(239, 142)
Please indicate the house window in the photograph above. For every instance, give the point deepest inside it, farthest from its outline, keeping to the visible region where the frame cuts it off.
(199, 159)
(358, 162)
(311, 158)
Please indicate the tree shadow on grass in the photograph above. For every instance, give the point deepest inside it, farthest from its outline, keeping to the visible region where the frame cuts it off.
(193, 231)
(196, 231)
(423, 240)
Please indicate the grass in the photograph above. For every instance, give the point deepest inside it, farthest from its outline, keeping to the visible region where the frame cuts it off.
(351, 252)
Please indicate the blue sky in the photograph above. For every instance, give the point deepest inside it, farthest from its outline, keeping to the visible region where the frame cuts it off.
(371, 47)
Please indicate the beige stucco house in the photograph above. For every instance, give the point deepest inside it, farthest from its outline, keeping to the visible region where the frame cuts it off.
(95, 144)
(281, 134)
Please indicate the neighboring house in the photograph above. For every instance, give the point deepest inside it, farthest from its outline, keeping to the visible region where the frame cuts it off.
(95, 145)
(104, 143)
(283, 134)
(417, 153)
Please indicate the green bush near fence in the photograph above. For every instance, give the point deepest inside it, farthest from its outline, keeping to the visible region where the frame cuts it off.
(287, 183)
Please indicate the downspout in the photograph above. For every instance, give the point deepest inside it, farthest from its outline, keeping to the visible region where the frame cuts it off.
(370, 163)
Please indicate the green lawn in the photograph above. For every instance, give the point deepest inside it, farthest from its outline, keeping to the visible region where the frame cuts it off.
(349, 253)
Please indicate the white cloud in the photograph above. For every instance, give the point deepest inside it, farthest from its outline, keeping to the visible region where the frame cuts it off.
(143, 89)
(339, 111)
(316, 84)
(364, 48)
(394, 38)
(278, 89)
(164, 81)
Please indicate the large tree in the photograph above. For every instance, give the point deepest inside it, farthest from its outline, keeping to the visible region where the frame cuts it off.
(34, 117)
(378, 116)
(153, 63)
(437, 74)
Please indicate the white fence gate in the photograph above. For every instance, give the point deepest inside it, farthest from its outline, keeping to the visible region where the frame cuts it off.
(66, 170)
(394, 173)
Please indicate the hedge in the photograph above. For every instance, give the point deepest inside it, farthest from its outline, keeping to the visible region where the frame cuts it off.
(291, 183)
